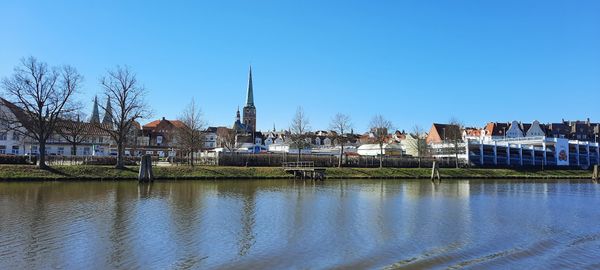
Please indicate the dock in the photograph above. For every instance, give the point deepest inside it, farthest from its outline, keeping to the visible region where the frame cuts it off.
(304, 170)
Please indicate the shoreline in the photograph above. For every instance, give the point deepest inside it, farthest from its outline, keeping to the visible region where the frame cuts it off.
(29, 173)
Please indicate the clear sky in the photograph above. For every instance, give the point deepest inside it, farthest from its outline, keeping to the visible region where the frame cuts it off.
(415, 62)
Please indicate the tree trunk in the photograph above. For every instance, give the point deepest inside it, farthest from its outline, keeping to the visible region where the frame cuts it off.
(42, 156)
(120, 152)
(380, 155)
(74, 150)
(341, 156)
(192, 158)
(456, 154)
(299, 155)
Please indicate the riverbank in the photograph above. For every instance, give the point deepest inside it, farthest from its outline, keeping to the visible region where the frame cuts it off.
(91, 172)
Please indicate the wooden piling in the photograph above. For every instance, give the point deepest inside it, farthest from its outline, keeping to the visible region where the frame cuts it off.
(595, 173)
(145, 174)
(435, 171)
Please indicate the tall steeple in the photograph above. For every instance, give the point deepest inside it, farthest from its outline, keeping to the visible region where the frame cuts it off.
(249, 117)
(250, 94)
(237, 115)
(95, 114)
(107, 113)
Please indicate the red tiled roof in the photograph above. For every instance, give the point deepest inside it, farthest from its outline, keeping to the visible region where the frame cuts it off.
(154, 124)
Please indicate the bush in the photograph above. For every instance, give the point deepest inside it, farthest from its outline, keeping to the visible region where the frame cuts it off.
(10, 159)
(109, 161)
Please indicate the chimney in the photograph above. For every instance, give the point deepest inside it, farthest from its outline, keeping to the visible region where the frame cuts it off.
(163, 118)
(587, 121)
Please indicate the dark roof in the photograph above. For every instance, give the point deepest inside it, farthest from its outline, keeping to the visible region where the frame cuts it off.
(88, 128)
(446, 128)
(496, 129)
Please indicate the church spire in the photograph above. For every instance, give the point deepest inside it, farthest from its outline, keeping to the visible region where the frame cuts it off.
(237, 115)
(250, 96)
(107, 113)
(95, 114)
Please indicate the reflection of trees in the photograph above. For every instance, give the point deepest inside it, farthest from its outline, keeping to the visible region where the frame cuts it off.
(185, 206)
(38, 219)
(123, 193)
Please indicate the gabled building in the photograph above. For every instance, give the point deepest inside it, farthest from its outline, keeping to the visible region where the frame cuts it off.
(515, 130)
(439, 133)
(159, 138)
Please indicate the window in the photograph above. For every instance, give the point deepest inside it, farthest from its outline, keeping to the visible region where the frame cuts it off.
(100, 139)
(159, 139)
(34, 149)
(86, 151)
(15, 149)
(15, 136)
(2, 149)
(2, 136)
(61, 151)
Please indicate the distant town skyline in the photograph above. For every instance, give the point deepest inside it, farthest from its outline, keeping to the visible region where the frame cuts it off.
(412, 62)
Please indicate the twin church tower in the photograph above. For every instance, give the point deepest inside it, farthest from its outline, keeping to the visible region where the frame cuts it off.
(249, 117)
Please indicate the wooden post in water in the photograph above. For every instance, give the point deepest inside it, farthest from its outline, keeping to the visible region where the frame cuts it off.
(595, 174)
(435, 171)
(145, 174)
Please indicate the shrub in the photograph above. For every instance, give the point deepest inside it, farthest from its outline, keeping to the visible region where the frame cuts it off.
(10, 159)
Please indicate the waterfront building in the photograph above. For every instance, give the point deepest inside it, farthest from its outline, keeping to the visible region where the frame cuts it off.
(161, 137)
(209, 138)
(439, 133)
(373, 149)
(92, 141)
(532, 151)
(518, 144)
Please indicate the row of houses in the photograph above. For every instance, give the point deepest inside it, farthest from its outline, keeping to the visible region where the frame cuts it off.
(568, 143)
(492, 144)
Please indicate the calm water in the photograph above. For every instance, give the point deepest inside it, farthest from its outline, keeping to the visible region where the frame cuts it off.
(281, 224)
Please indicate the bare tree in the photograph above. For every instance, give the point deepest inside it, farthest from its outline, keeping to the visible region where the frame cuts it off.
(418, 142)
(190, 136)
(341, 124)
(40, 96)
(73, 129)
(380, 127)
(298, 128)
(453, 135)
(126, 98)
(226, 138)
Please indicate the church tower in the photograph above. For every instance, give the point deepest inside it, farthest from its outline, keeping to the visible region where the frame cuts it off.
(249, 118)
(95, 119)
(108, 120)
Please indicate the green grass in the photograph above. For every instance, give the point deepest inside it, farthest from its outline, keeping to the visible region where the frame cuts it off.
(28, 172)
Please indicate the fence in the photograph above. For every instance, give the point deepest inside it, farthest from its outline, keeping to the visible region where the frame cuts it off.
(273, 160)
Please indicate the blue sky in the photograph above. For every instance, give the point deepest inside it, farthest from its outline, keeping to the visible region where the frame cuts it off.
(415, 62)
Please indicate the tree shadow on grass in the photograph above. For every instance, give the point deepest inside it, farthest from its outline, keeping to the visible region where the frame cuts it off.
(355, 170)
(213, 171)
(55, 171)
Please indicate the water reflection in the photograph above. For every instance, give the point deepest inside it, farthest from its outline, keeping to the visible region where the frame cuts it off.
(282, 223)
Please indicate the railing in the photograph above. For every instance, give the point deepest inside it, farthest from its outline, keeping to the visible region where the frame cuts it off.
(299, 164)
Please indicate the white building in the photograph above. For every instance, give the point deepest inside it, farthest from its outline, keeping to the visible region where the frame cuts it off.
(389, 149)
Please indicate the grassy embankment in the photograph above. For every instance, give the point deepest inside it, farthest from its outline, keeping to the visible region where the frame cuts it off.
(81, 172)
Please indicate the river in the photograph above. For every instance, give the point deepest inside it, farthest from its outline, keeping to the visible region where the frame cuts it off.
(287, 224)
